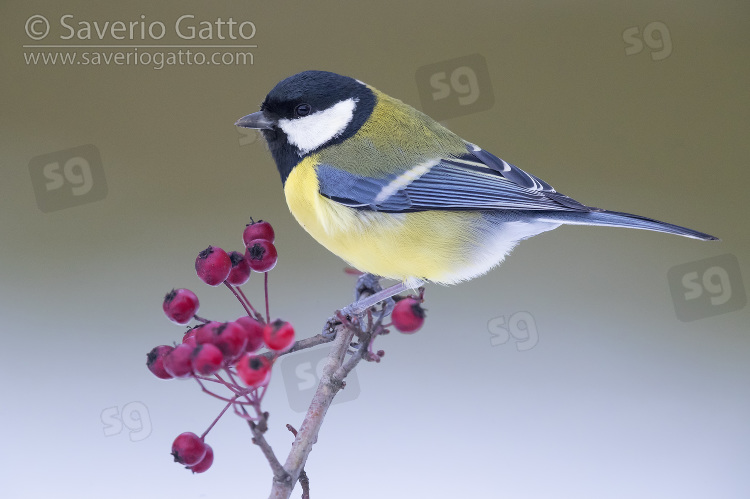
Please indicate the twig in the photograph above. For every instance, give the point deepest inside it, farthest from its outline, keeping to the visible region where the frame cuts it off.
(304, 480)
(341, 330)
(308, 433)
(346, 368)
(279, 473)
(313, 341)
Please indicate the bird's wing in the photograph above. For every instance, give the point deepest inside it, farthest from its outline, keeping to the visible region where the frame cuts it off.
(477, 180)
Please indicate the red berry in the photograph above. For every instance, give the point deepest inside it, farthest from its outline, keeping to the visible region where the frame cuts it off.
(180, 305)
(205, 332)
(204, 463)
(188, 449)
(279, 335)
(254, 332)
(240, 272)
(254, 370)
(155, 361)
(189, 338)
(261, 255)
(229, 337)
(213, 265)
(177, 362)
(408, 315)
(258, 230)
(206, 359)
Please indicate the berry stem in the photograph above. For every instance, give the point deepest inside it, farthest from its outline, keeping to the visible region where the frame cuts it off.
(244, 414)
(257, 315)
(207, 379)
(233, 386)
(231, 402)
(216, 395)
(201, 319)
(252, 396)
(265, 285)
(245, 304)
(260, 395)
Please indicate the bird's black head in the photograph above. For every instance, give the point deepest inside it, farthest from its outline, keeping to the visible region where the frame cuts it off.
(309, 111)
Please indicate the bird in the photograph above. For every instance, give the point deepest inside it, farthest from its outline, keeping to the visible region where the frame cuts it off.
(396, 194)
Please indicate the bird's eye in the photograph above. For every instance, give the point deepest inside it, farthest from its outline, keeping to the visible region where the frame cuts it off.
(302, 110)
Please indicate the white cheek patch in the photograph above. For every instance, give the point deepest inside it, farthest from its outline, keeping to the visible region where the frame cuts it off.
(312, 131)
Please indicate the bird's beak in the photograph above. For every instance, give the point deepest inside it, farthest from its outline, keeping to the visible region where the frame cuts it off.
(255, 120)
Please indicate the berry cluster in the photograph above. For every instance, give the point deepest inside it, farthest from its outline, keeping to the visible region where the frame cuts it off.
(224, 353)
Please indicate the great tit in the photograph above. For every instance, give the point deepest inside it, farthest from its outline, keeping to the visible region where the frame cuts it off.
(396, 194)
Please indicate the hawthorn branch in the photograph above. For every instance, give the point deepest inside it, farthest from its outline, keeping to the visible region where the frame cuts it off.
(307, 435)
(310, 342)
(344, 369)
(340, 329)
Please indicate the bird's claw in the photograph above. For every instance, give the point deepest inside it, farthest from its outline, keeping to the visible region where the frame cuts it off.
(367, 284)
(329, 330)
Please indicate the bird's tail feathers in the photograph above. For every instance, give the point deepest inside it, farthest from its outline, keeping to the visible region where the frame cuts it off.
(618, 219)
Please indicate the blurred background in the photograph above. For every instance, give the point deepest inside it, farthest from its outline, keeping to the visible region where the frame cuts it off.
(595, 362)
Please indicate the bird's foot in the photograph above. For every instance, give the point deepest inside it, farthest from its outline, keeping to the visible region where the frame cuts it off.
(369, 292)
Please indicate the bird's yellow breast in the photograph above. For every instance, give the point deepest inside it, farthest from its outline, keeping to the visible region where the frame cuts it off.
(404, 246)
